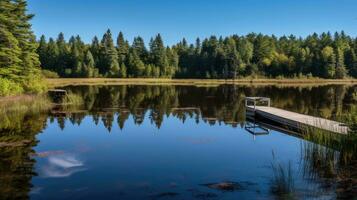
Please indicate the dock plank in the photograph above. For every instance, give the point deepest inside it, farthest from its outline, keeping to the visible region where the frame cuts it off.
(297, 120)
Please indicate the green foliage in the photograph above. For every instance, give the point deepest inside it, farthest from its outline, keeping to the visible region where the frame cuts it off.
(9, 87)
(122, 72)
(136, 65)
(34, 84)
(19, 61)
(49, 74)
(253, 55)
(329, 59)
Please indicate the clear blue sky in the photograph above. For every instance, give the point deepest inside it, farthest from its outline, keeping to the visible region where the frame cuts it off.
(176, 19)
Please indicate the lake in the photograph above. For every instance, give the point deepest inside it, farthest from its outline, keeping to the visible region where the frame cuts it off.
(173, 142)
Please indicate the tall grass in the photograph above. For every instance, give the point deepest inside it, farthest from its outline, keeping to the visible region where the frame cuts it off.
(72, 99)
(282, 183)
(15, 110)
(332, 160)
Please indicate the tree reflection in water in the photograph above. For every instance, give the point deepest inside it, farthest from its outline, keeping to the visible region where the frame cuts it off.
(328, 159)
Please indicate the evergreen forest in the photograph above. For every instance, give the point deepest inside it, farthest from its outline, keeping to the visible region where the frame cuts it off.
(326, 55)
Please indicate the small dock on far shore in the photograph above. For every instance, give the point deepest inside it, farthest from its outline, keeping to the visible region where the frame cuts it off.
(260, 107)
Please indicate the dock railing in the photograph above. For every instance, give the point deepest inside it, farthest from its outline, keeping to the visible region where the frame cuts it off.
(257, 101)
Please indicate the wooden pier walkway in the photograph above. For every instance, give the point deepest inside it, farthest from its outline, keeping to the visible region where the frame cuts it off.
(291, 119)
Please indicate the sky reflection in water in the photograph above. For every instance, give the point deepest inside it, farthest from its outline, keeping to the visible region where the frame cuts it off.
(163, 142)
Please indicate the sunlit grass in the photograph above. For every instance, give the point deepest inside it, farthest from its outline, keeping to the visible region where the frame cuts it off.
(56, 82)
(15, 111)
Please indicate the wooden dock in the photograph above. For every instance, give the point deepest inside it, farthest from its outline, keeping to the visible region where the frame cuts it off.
(290, 119)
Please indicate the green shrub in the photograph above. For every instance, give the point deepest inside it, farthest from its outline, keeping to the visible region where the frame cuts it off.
(34, 84)
(49, 74)
(8, 87)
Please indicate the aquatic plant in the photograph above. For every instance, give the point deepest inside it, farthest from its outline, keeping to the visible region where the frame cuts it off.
(72, 99)
(14, 110)
(331, 159)
(282, 183)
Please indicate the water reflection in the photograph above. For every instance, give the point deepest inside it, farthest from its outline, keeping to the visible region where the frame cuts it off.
(212, 105)
(59, 166)
(190, 137)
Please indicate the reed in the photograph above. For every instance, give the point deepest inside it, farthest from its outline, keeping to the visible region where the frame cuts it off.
(73, 99)
(283, 182)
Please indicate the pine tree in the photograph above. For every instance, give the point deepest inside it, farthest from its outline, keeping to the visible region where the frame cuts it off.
(173, 61)
(52, 55)
(158, 55)
(42, 52)
(9, 55)
(26, 41)
(95, 50)
(10, 51)
(89, 65)
(351, 62)
(19, 61)
(140, 49)
(75, 64)
(63, 54)
(136, 65)
(230, 57)
(109, 56)
(122, 48)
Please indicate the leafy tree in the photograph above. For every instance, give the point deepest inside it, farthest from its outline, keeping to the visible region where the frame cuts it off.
(122, 72)
(340, 65)
(329, 59)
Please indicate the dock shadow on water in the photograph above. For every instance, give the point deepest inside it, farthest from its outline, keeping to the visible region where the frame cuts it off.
(175, 142)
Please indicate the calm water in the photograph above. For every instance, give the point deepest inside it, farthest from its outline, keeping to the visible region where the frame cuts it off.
(162, 142)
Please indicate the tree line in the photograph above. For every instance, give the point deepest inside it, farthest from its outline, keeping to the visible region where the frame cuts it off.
(105, 59)
(19, 61)
(257, 55)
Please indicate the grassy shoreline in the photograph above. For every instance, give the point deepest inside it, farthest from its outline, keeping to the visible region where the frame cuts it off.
(58, 82)
(61, 82)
